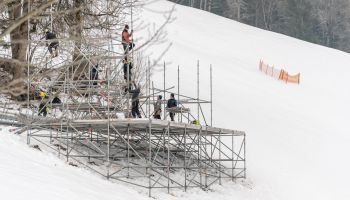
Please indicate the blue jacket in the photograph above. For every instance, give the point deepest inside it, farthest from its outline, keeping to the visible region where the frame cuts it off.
(172, 103)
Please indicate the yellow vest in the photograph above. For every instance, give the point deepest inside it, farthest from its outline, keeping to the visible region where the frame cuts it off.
(42, 94)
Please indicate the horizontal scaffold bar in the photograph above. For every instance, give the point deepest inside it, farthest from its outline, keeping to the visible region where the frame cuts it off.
(145, 124)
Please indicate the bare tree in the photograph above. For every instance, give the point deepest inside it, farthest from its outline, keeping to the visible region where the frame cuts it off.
(83, 27)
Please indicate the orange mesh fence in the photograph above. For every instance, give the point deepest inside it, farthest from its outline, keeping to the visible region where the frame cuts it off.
(279, 74)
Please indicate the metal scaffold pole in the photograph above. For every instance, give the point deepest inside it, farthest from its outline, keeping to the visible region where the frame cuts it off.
(149, 88)
(211, 96)
(164, 92)
(198, 104)
(28, 78)
(108, 101)
(178, 90)
(149, 157)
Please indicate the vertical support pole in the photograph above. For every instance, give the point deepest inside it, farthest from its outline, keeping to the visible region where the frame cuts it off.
(67, 141)
(147, 95)
(178, 90)
(149, 157)
(149, 89)
(128, 63)
(205, 152)
(211, 149)
(110, 46)
(211, 95)
(200, 156)
(244, 154)
(168, 164)
(164, 93)
(68, 94)
(128, 149)
(50, 122)
(185, 154)
(153, 97)
(28, 78)
(59, 141)
(198, 90)
(220, 157)
(233, 157)
(109, 120)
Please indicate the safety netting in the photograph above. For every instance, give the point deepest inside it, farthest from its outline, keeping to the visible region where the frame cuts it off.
(279, 74)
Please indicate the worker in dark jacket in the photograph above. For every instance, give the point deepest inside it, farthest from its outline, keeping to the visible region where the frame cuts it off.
(53, 45)
(135, 101)
(127, 43)
(158, 107)
(94, 74)
(126, 64)
(172, 103)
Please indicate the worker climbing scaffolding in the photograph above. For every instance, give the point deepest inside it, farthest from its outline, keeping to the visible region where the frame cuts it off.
(52, 46)
(127, 64)
(127, 43)
(94, 73)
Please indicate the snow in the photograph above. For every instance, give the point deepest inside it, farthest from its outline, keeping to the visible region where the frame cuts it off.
(297, 135)
(27, 173)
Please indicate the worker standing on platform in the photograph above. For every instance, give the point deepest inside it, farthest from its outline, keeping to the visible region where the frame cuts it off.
(53, 45)
(172, 103)
(127, 43)
(94, 74)
(135, 101)
(43, 107)
(158, 107)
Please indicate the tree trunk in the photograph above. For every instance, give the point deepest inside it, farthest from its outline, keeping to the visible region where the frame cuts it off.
(76, 27)
(19, 37)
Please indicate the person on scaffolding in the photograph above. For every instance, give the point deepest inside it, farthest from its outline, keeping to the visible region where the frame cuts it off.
(94, 74)
(56, 99)
(135, 112)
(43, 103)
(171, 105)
(53, 45)
(127, 43)
(127, 64)
(158, 107)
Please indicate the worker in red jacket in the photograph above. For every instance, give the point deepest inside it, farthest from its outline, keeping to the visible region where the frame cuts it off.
(126, 39)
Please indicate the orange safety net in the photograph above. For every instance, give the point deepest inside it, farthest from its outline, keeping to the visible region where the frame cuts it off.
(279, 74)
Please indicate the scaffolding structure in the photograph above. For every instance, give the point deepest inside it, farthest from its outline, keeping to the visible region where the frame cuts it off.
(88, 130)
(91, 126)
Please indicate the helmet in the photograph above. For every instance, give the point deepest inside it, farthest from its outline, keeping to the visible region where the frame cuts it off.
(126, 26)
(160, 96)
(46, 30)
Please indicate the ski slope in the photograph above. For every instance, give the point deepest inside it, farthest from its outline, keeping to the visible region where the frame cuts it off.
(297, 135)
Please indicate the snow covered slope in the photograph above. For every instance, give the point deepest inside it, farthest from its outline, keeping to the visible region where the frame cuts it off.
(298, 138)
(27, 173)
